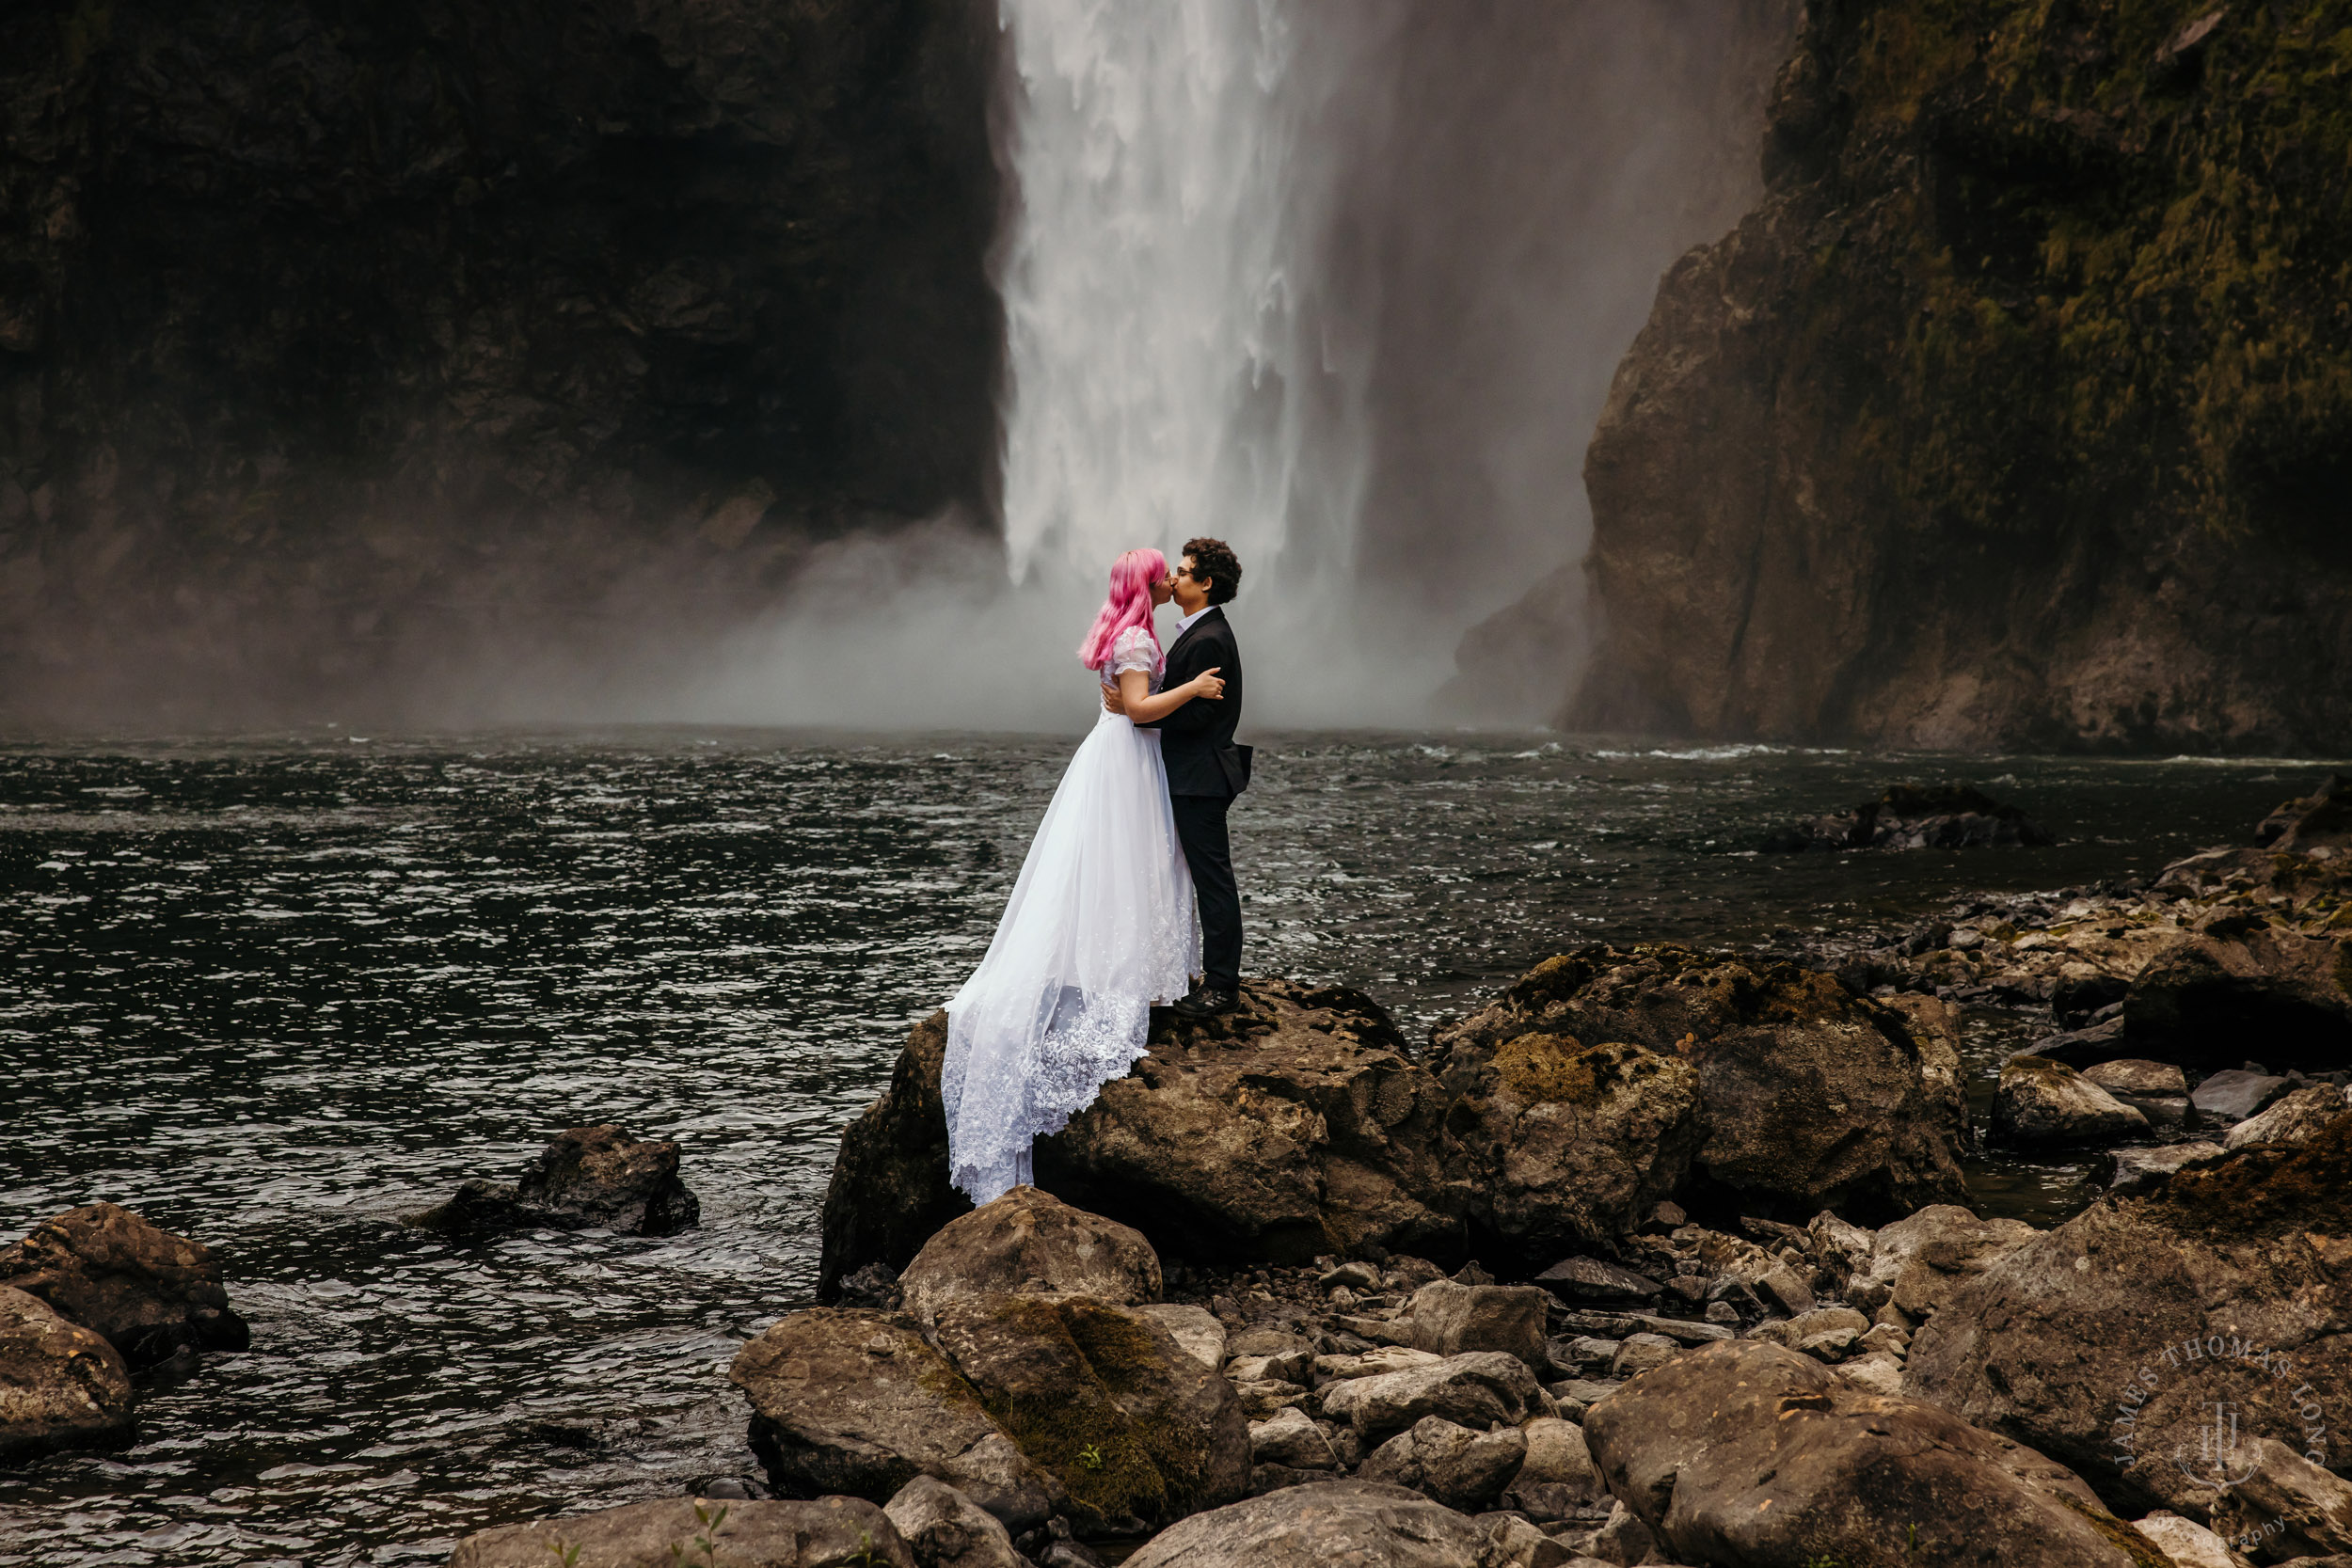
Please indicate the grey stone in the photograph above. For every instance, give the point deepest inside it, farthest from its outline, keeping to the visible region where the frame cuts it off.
(1919, 1260)
(944, 1528)
(2296, 1508)
(1454, 1319)
(1290, 1438)
(1480, 1390)
(2131, 1170)
(2043, 1102)
(2133, 1076)
(1583, 1279)
(1780, 1286)
(1642, 1352)
(1320, 1525)
(2293, 1121)
(831, 1532)
(1195, 1328)
(1557, 1455)
(1456, 1466)
(2234, 1094)
(1030, 1242)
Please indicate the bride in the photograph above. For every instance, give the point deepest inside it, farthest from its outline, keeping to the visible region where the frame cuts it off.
(1099, 926)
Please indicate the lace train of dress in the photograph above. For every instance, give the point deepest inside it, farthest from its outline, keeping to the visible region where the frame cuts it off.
(1099, 927)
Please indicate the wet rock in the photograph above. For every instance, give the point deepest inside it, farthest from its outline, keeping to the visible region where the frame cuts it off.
(2158, 1090)
(2130, 1170)
(1030, 1242)
(1289, 1438)
(1452, 1320)
(1907, 816)
(1458, 1468)
(858, 1402)
(1916, 1263)
(149, 1292)
(831, 1532)
(2082, 1049)
(1749, 1452)
(1481, 1390)
(2319, 820)
(2235, 1095)
(2292, 1121)
(62, 1385)
(1313, 1527)
(586, 1179)
(1712, 1072)
(1295, 1127)
(944, 1528)
(2241, 978)
(1104, 1400)
(1589, 1279)
(2158, 1306)
(2041, 1102)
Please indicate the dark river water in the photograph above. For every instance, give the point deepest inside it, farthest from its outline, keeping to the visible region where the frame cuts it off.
(275, 993)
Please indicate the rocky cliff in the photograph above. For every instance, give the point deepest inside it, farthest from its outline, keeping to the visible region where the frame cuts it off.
(336, 337)
(2020, 411)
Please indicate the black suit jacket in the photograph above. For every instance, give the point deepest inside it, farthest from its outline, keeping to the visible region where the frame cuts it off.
(1197, 740)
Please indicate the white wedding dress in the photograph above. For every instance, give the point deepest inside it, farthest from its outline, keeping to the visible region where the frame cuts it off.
(1099, 927)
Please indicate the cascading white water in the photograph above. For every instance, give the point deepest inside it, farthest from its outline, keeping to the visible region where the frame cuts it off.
(1169, 373)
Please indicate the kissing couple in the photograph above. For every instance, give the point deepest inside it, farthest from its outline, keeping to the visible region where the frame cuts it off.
(1100, 929)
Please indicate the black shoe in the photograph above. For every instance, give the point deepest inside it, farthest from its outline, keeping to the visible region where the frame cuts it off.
(1205, 1001)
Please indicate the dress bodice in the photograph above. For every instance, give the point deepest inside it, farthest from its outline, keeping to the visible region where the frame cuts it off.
(1133, 649)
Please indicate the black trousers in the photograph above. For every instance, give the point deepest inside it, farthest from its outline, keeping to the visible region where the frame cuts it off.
(1209, 852)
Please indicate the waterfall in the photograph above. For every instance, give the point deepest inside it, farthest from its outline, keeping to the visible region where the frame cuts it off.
(1173, 370)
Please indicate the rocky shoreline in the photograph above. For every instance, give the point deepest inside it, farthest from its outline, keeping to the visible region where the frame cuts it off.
(1664, 1256)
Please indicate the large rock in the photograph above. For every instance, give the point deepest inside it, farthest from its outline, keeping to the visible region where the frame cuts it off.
(2043, 1102)
(1458, 1468)
(1906, 816)
(2108, 1343)
(1351, 1522)
(1293, 1128)
(1916, 1263)
(150, 1292)
(62, 1385)
(1609, 1079)
(2235, 1094)
(1450, 1318)
(1105, 1400)
(1030, 1242)
(944, 1528)
(1480, 1391)
(2293, 1121)
(1748, 1453)
(859, 1401)
(2239, 979)
(831, 1532)
(2283, 1505)
(586, 1179)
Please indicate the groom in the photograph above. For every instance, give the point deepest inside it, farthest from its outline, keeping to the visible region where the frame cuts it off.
(1205, 769)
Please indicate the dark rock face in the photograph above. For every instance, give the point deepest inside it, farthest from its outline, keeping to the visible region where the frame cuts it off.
(831, 1532)
(2077, 1341)
(1766, 1081)
(62, 1385)
(1909, 818)
(1295, 1126)
(333, 337)
(587, 1179)
(151, 1293)
(2242, 979)
(1747, 1452)
(1962, 437)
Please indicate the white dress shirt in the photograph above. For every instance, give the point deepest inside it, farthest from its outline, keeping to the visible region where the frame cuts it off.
(1183, 623)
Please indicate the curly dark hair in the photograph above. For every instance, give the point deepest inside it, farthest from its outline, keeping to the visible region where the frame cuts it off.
(1213, 559)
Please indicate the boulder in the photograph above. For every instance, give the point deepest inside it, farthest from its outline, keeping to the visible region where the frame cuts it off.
(1458, 1468)
(1907, 816)
(2041, 1102)
(858, 1402)
(1747, 1452)
(1030, 1242)
(2129, 1170)
(1482, 1390)
(2235, 1094)
(62, 1385)
(1319, 1525)
(149, 1292)
(2184, 1542)
(1295, 1127)
(1608, 1080)
(1639, 1353)
(2283, 1505)
(1290, 1439)
(944, 1528)
(2107, 1342)
(586, 1179)
(1916, 1263)
(2292, 1121)
(2141, 1079)
(1452, 1320)
(1589, 1279)
(831, 1532)
(1557, 1456)
(1104, 1400)
(1194, 1328)
(889, 1191)
(2239, 978)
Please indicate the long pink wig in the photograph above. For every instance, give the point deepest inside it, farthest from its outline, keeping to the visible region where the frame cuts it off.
(1128, 605)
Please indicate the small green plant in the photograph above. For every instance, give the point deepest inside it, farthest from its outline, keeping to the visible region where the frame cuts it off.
(866, 1556)
(706, 1541)
(1090, 1457)
(566, 1554)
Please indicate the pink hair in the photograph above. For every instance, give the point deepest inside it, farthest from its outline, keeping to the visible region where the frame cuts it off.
(1128, 605)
